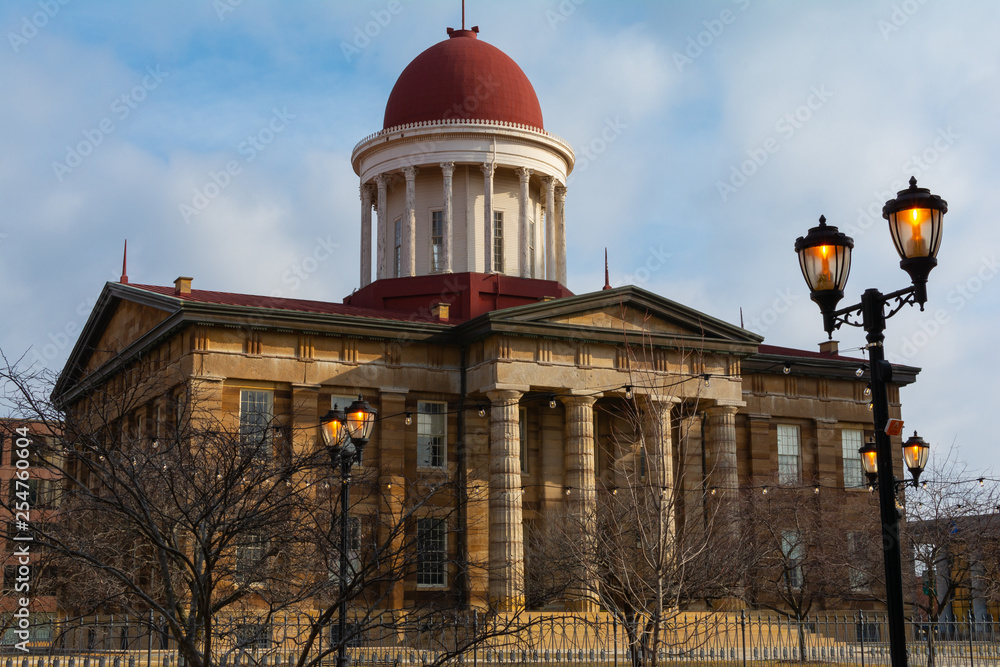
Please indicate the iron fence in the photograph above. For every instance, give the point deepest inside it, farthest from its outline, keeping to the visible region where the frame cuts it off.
(595, 640)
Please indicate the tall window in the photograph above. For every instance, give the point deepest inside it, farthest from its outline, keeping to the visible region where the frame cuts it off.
(397, 248)
(432, 552)
(857, 578)
(353, 551)
(531, 248)
(432, 423)
(249, 554)
(789, 455)
(851, 441)
(792, 551)
(256, 413)
(523, 437)
(437, 240)
(498, 241)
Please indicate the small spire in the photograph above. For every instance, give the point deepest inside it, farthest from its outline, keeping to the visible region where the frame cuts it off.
(463, 14)
(124, 279)
(607, 280)
(741, 318)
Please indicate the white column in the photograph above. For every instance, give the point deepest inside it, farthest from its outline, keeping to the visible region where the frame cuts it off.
(409, 249)
(550, 229)
(366, 234)
(524, 174)
(561, 235)
(506, 567)
(448, 170)
(383, 228)
(488, 169)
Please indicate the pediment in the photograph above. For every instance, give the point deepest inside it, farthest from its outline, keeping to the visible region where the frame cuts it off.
(126, 323)
(609, 314)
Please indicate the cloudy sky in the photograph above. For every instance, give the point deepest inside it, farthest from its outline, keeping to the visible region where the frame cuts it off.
(709, 136)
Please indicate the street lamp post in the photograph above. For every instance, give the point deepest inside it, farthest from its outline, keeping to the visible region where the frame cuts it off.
(345, 435)
(914, 218)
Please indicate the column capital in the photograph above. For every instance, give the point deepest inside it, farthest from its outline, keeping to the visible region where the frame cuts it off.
(410, 172)
(365, 190)
(561, 193)
(488, 168)
(503, 396)
(723, 409)
(523, 173)
(582, 401)
(381, 180)
(448, 168)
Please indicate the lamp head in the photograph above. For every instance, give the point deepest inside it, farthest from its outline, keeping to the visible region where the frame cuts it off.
(869, 460)
(915, 453)
(825, 259)
(915, 223)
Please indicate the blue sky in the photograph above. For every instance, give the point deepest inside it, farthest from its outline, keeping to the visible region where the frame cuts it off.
(828, 106)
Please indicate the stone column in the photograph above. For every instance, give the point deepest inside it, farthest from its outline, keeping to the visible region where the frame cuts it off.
(524, 212)
(581, 503)
(381, 181)
(447, 215)
(366, 234)
(506, 528)
(409, 249)
(488, 169)
(722, 447)
(658, 438)
(550, 229)
(561, 235)
(390, 438)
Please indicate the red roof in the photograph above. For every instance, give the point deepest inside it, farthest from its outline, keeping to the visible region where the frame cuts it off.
(463, 78)
(809, 354)
(301, 305)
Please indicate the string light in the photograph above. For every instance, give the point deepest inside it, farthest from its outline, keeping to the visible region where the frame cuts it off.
(714, 490)
(868, 391)
(764, 490)
(482, 411)
(628, 392)
(409, 419)
(982, 481)
(708, 379)
(871, 406)
(569, 490)
(860, 371)
(816, 489)
(787, 369)
(552, 402)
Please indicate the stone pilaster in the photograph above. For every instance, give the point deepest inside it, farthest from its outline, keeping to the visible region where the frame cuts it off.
(488, 169)
(409, 249)
(390, 435)
(550, 229)
(447, 215)
(828, 453)
(506, 528)
(304, 428)
(366, 234)
(382, 182)
(581, 503)
(524, 201)
(561, 235)
(722, 448)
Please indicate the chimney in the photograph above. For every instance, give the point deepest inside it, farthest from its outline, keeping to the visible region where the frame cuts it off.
(440, 311)
(182, 286)
(830, 347)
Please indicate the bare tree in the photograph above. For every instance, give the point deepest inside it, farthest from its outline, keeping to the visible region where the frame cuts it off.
(221, 530)
(806, 547)
(951, 533)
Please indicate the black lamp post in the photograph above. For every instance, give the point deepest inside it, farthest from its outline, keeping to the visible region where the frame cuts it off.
(345, 435)
(914, 218)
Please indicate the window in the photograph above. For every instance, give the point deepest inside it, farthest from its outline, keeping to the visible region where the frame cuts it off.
(253, 635)
(431, 552)
(48, 491)
(249, 554)
(523, 436)
(397, 248)
(14, 574)
(531, 248)
(851, 440)
(353, 550)
(2, 442)
(432, 422)
(498, 241)
(255, 422)
(437, 240)
(789, 457)
(792, 552)
(855, 554)
(23, 491)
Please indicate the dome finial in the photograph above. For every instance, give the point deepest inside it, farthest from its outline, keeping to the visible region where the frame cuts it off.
(463, 14)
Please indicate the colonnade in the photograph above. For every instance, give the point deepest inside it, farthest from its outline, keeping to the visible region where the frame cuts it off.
(374, 194)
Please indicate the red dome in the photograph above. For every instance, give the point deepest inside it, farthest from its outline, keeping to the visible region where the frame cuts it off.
(462, 78)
